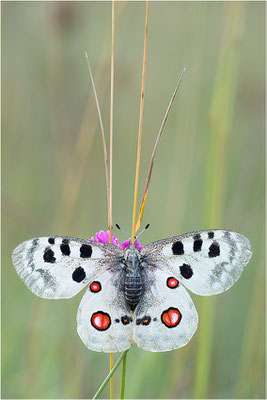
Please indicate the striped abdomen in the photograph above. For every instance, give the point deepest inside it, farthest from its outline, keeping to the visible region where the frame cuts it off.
(133, 289)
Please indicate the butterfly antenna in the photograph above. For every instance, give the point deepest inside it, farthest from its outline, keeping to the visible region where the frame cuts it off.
(118, 227)
(145, 228)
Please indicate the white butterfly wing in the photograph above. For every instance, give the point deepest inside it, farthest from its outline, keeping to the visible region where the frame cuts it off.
(104, 322)
(60, 266)
(206, 262)
(166, 317)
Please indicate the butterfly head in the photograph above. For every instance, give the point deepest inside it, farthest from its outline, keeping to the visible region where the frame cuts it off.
(131, 252)
(132, 257)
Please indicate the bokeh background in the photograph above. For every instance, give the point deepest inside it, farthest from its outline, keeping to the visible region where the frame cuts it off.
(209, 173)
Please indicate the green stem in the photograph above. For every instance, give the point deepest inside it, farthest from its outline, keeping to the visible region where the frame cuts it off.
(123, 375)
(106, 381)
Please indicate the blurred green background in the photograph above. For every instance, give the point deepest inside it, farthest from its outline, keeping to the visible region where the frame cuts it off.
(209, 173)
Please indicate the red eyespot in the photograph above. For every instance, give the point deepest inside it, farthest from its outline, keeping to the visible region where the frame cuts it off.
(171, 317)
(172, 283)
(100, 321)
(95, 287)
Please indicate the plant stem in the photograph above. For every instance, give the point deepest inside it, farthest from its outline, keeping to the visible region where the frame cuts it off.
(111, 390)
(111, 158)
(140, 126)
(123, 375)
(102, 134)
(111, 373)
(140, 214)
(111, 123)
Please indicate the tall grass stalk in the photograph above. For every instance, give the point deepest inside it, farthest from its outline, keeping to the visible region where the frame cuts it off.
(143, 202)
(138, 156)
(109, 187)
(109, 376)
(111, 124)
(221, 115)
(103, 138)
(123, 375)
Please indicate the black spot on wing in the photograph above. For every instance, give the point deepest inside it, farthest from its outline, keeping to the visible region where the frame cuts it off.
(78, 275)
(51, 240)
(126, 320)
(49, 256)
(186, 271)
(144, 321)
(65, 248)
(211, 235)
(196, 236)
(85, 251)
(178, 248)
(197, 245)
(214, 250)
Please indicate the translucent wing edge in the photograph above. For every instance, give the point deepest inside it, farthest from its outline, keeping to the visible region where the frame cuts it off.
(243, 240)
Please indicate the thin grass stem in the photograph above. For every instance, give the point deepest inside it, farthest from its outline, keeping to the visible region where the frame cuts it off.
(111, 122)
(140, 125)
(123, 375)
(109, 376)
(102, 132)
(111, 157)
(141, 210)
(111, 365)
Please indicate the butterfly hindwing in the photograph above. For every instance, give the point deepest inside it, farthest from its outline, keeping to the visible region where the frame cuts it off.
(206, 262)
(104, 322)
(60, 266)
(166, 317)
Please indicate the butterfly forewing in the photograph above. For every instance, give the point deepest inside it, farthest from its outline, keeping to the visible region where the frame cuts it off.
(60, 266)
(104, 322)
(166, 317)
(206, 262)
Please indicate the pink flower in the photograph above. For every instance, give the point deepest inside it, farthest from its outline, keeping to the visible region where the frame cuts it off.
(126, 244)
(103, 237)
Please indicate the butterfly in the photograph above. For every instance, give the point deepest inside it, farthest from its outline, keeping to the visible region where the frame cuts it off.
(134, 296)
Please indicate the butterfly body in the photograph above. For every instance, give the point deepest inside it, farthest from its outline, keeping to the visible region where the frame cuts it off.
(134, 296)
(133, 279)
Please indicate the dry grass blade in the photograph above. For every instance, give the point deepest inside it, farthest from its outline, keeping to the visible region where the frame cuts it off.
(111, 160)
(140, 126)
(141, 210)
(111, 123)
(102, 130)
